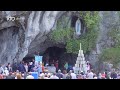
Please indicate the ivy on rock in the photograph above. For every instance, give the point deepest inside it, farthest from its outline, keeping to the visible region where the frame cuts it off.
(112, 54)
(88, 40)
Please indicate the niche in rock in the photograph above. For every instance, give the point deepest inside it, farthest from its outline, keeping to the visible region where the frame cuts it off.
(77, 24)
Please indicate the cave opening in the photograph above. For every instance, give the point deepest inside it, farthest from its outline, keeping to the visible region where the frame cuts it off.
(53, 54)
(28, 59)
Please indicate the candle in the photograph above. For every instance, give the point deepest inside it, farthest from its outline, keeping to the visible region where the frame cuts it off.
(80, 46)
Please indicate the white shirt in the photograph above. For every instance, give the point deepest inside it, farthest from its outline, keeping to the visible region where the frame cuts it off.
(26, 68)
(46, 78)
(29, 77)
(54, 77)
(6, 72)
(73, 75)
(52, 69)
(95, 77)
(90, 75)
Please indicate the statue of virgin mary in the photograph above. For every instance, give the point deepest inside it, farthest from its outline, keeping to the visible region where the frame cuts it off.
(78, 27)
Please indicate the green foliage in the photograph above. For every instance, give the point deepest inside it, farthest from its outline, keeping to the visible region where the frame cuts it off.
(115, 36)
(111, 55)
(61, 35)
(90, 18)
(88, 40)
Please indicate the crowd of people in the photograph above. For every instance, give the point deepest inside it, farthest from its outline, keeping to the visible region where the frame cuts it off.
(24, 71)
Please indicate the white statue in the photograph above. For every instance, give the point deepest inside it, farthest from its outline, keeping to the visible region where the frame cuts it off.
(78, 27)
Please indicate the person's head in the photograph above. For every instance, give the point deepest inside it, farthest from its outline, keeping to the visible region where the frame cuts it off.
(89, 71)
(82, 73)
(45, 74)
(10, 73)
(33, 60)
(17, 71)
(70, 71)
(64, 72)
(9, 64)
(52, 64)
(18, 76)
(31, 63)
(30, 73)
(22, 75)
(59, 71)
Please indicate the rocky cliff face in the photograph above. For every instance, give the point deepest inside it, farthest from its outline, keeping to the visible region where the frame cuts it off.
(29, 33)
(108, 21)
(17, 37)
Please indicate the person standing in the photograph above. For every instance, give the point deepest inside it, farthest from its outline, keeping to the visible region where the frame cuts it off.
(43, 68)
(64, 74)
(30, 67)
(66, 66)
(56, 65)
(26, 67)
(69, 76)
(99, 76)
(90, 74)
(9, 68)
(18, 76)
(33, 62)
(14, 67)
(1, 69)
(73, 75)
(1, 76)
(10, 76)
(59, 74)
(21, 67)
(113, 75)
(39, 68)
(30, 76)
(6, 71)
(54, 76)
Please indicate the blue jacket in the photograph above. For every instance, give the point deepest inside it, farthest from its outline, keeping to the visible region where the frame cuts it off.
(21, 68)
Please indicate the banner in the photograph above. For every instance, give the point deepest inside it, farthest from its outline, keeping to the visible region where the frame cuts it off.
(38, 58)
